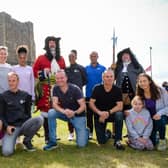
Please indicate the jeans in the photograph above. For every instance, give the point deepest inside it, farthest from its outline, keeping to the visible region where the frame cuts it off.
(28, 129)
(160, 127)
(100, 128)
(79, 124)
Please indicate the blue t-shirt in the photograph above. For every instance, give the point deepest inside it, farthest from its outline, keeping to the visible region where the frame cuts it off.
(94, 76)
(70, 98)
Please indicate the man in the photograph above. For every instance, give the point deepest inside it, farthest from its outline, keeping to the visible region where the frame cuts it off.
(94, 76)
(15, 113)
(44, 69)
(77, 75)
(106, 102)
(68, 105)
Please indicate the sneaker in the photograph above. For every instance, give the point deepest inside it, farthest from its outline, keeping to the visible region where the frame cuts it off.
(119, 145)
(90, 135)
(71, 137)
(162, 145)
(28, 146)
(50, 146)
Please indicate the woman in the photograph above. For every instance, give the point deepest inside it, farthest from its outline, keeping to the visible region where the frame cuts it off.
(156, 101)
(5, 68)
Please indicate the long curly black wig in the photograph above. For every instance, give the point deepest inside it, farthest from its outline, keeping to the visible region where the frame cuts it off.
(46, 47)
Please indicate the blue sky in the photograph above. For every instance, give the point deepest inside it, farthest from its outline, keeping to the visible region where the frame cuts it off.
(87, 25)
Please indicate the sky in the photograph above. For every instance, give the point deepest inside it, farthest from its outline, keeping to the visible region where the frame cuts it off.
(87, 25)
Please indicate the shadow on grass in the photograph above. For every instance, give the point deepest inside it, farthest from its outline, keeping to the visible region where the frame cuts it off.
(68, 155)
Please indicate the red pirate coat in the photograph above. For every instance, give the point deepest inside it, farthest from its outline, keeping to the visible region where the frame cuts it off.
(42, 62)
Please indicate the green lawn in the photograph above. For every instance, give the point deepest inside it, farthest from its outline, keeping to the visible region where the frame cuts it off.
(93, 156)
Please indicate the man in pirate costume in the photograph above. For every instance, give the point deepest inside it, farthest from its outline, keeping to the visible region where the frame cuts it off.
(126, 72)
(44, 68)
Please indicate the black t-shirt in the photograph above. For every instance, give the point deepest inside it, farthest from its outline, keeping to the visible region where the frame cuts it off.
(106, 100)
(70, 98)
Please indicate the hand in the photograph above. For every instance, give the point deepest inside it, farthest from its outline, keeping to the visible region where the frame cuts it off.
(126, 113)
(103, 116)
(47, 70)
(142, 140)
(69, 113)
(156, 117)
(10, 129)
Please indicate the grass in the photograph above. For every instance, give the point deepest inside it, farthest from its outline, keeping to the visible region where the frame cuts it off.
(92, 156)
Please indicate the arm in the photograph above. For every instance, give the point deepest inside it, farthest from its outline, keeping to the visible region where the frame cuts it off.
(118, 107)
(148, 129)
(82, 106)
(130, 128)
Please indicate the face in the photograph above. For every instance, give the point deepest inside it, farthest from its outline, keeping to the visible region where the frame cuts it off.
(138, 105)
(13, 82)
(72, 58)
(3, 56)
(143, 82)
(126, 57)
(108, 78)
(52, 44)
(22, 58)
(93, 58)
(61, 79)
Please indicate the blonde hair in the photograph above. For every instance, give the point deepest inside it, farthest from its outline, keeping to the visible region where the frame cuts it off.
(135, 99)
(4, 48)
(13, 74)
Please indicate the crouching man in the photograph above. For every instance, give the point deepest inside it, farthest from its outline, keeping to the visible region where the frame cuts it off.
(68, 105)
(15, 114)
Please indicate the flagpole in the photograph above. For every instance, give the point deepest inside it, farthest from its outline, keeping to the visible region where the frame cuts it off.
(114, 39)
(150, 48)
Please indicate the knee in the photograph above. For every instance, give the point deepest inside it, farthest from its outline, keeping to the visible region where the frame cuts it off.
(7, 152)
(119, 116)
(39, 121)
(51, 113)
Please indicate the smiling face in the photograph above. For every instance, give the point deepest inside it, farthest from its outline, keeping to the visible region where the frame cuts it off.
(108, 77)
(61, 78)
(13, 81)
(3, 55)
(137, 105)
(22, 58)
(143, 82)
(126, 57)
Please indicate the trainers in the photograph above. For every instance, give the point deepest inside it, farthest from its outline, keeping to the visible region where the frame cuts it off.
(119, 145)
(50, 146)
(71, 137)
(28, 146)
(90, 135)
(162, 145)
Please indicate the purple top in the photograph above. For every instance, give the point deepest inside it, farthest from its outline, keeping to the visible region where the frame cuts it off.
(151, 106)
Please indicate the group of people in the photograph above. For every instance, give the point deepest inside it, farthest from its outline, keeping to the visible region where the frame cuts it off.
(123, 91)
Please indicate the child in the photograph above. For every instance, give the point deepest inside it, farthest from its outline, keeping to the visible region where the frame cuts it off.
(139, 125)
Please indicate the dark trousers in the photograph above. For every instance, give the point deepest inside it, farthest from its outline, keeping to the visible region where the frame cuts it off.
(70, 127)
(90, 116)
(46, 130)
(160, 127)
(100, 128)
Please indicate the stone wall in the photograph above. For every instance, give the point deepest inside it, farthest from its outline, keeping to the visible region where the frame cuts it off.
(14, 33)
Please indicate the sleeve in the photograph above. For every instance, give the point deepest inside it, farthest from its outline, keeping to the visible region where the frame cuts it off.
(94, 92)
(78, 93)
(84, 76)
(130, 128)
(164, 99)
(32, 85)
(36, 67)
(148, 128)
(2, 112)
(28, 105)
(118, 94)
